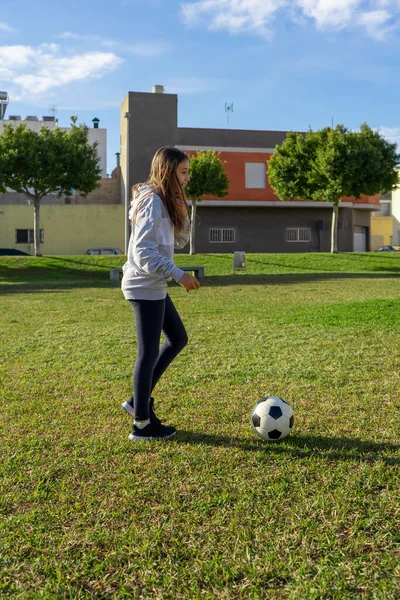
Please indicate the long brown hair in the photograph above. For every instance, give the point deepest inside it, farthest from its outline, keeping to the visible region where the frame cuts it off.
(166, 184)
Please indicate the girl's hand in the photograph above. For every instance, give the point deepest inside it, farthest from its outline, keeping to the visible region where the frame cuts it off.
(189, 282)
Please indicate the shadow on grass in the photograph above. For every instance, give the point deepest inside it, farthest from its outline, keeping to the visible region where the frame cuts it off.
(335, 258)
(290, 278)
(88, 263)
(96, 280)
(328, 448)
(57, 272)
(30, 287)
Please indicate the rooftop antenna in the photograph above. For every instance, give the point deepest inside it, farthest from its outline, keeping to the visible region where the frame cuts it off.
(53, 109)
(228, 109)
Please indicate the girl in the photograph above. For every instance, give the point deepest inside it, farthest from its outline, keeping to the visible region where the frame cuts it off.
(160, 222)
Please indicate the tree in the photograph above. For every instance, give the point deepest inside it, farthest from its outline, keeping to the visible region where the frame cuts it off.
(47, 162)
(332, 164)
(207, 177)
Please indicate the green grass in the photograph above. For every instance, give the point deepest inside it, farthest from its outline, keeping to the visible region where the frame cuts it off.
(216, 264)
(215, 513)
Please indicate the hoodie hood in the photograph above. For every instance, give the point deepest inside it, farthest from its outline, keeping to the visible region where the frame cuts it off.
(141, 191)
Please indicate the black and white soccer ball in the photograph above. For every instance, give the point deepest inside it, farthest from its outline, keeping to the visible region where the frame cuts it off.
(272, 418)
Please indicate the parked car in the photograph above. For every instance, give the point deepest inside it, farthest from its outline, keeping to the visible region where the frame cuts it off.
(386, 249)
(99, 251)
(12, 252)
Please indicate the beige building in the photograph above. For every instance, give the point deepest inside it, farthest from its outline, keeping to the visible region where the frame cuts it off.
(96, 134)
(65, 229)
(385, 223)
(68, 225)
(395, 204)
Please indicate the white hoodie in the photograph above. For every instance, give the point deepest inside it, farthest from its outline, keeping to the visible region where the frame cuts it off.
(150, 263)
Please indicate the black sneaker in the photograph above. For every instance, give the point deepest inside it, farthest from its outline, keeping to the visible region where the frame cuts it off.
(128, 406)
(152, 431)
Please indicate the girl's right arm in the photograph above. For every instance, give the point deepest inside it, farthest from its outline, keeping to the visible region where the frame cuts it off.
(148, 228)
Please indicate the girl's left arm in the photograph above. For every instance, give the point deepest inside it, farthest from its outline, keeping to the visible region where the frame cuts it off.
(182, 238)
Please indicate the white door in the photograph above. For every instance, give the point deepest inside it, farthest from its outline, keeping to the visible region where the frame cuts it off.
(360, 242)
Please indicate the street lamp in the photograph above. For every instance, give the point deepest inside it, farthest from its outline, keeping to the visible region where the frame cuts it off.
(127, 195)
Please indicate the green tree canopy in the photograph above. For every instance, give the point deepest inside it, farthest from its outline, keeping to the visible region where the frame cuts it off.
(207, 178)
(330, 164)
(50, 161)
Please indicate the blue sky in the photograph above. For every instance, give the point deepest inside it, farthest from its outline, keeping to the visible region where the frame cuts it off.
(283, 64)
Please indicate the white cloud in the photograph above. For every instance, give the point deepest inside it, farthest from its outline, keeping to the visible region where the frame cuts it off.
(34, 71)
(144, 49)
(6, 28)
(147, 49)
(329, 13)
(376, 23)
(68, 35)
(392, 134)
(376, 17)
(233, 15)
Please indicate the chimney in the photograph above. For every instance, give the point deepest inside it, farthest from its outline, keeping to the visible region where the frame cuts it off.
(118, 154)
(158, 89)
(95, 122)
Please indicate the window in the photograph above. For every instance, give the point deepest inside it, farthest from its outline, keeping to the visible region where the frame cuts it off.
(298, 234)
(25, 236)
(256, 175)
(222, 236)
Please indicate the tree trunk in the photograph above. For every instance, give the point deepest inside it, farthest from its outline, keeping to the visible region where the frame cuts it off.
(334, 228)
(193, 226)
(36, 227)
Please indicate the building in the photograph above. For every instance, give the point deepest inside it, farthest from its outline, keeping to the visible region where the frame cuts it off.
(251, 217)
(395, 205)
(385, 223)
(68, 225)
(96, 134)
(384, 227)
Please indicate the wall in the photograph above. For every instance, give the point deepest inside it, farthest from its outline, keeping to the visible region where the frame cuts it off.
(109, 192)
(72, 229)
(99, 135)
(381, 232)
(152, 123)
(263, 229)
(234, 167)
(34, 125)
(68, 229)
(396, 216)
(234, 162)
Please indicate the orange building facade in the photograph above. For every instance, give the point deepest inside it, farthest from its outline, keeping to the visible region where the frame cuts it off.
(234, 164)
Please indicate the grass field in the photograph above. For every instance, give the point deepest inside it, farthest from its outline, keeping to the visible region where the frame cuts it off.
(215, 513)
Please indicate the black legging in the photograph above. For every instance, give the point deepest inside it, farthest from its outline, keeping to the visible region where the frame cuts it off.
(152, 318)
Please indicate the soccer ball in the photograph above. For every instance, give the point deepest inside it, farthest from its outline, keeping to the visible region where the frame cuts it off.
(272, 418)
